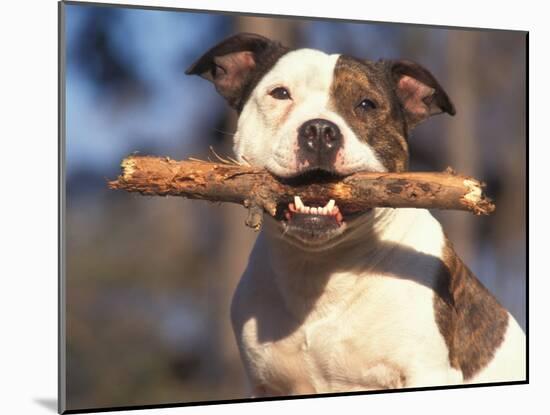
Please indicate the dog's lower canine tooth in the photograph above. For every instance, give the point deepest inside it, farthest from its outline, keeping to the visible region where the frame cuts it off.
(330, 205)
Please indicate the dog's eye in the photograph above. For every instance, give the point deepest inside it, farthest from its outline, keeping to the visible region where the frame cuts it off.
(280, 93)
(366, 105)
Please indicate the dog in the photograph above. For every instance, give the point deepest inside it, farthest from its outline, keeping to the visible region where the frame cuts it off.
(337, 301)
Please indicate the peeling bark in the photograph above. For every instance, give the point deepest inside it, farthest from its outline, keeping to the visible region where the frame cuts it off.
(260, 191)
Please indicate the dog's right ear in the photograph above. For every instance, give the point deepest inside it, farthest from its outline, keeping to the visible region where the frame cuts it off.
(235, 63)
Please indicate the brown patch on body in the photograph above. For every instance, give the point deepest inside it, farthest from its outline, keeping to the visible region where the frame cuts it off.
(382, 127)
(471, 320)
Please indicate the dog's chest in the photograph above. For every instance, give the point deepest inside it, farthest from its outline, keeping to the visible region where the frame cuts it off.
(369, 344)
(371, 324)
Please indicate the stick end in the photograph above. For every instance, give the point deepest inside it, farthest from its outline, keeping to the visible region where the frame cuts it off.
(475, 198)
(255, 215)
(128, 166)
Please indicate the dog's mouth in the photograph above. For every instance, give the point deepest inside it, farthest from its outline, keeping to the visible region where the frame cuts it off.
(314, 220)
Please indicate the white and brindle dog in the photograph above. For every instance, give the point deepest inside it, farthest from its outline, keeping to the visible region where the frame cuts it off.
(335, 301)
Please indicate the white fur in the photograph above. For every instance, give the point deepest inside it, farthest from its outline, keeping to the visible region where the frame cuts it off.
(359, 315)
(267, 130)
(368, 324)
(369, 328)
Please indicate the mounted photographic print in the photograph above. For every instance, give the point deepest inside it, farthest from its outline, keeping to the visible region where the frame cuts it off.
(259, 206)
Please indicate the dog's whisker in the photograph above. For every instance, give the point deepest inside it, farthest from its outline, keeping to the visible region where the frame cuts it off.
(220, 158)
(233, 160)
(246, 160)
(224, 132)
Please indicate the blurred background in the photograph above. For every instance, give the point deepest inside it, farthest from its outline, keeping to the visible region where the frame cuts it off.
(150, 279)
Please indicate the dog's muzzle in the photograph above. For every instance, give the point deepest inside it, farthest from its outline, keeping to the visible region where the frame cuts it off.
(313, 221)
(318, 143)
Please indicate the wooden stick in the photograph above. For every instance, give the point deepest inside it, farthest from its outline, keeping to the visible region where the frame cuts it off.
(260, 191)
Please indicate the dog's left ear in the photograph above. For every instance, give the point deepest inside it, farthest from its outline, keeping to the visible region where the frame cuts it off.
(233, 64)
(418, 91)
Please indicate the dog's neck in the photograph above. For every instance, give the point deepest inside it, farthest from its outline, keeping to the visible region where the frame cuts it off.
(312, 281)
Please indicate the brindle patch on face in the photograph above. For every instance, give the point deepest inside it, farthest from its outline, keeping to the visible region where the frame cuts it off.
(470, 319)
(382, 127)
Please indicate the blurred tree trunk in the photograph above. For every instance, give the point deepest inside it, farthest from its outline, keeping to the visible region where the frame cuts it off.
(238, 239)
(462, 150)
(509, 235)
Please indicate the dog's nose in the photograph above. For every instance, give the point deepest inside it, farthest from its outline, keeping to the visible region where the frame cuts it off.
(319, 141)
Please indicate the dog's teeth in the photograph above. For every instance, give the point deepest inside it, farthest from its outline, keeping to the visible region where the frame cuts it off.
(307, 209)
(324, 211)
(330, 205)
(314, 211)
(298, 202)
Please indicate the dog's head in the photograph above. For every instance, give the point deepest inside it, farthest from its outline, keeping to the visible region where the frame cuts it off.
(307, 116)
